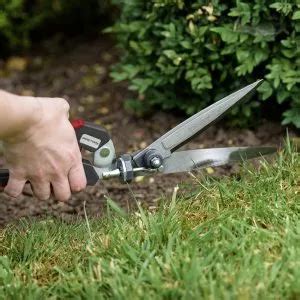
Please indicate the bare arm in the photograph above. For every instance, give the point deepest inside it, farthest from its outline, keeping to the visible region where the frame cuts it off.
(40, 146)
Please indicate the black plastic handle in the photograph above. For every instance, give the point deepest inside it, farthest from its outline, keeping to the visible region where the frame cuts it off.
(90, 136)
(90, 173)
(4, 176)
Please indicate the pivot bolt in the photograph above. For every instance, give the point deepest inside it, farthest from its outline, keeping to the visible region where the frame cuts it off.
(156, 162)
(152, 159)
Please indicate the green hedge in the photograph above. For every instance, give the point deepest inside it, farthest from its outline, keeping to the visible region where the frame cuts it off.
(23, 20)
(186, 54)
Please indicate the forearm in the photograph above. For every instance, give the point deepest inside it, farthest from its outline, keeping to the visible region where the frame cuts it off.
(16, 113)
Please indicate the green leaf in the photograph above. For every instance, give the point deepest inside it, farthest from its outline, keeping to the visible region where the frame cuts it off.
(282, 7)
(186, 44)
(118, 76)
(170, 54)
(227, 34)
(292, 116)
(296, 15)
(259, 56)
(265, 89)
(3, 20)
(282, 95)
(242, 54)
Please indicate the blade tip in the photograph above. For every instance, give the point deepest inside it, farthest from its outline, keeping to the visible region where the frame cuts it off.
(258, 82)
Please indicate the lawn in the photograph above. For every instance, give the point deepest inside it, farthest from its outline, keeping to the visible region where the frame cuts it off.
(228, 238)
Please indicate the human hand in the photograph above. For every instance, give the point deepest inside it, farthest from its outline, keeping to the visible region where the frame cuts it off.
(44, 152)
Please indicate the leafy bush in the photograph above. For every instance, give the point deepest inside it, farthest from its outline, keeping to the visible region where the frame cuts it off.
(186, 54)
(20, 20)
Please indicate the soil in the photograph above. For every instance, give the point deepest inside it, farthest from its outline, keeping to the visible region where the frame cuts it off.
(79, 72)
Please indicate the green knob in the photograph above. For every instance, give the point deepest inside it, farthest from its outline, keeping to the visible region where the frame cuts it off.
(104, 152)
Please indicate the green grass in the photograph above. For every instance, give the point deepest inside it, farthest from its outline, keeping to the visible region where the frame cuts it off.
(228, 238)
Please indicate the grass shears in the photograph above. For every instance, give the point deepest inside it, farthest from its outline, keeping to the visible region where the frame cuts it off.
(161, 156)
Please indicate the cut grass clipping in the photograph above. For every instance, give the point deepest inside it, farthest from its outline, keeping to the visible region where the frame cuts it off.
(232, 238)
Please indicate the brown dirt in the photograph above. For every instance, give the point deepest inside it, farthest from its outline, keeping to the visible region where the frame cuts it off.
(80, 74)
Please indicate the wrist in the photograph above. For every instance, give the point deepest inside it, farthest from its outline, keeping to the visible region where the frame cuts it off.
(24, 113)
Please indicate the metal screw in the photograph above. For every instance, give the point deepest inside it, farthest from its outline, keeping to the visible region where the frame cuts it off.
(155, 162)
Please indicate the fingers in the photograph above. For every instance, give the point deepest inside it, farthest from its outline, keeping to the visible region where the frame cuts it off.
(14, 186)
(41, 189)
(61, 189)
(77, 178)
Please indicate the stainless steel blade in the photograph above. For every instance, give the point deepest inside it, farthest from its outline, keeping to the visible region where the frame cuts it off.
(183, 161)
(180, 134)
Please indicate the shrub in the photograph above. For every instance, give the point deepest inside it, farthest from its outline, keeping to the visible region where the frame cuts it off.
(21, 20)
(182, 54)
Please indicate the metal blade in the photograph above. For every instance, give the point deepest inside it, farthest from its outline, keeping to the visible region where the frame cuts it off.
(180, 134)
(184, 161)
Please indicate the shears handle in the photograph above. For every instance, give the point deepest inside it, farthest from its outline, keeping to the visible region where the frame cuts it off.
(4, 176)
(90, 137)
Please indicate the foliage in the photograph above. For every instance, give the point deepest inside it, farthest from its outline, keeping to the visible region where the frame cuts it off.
(186, 54)
(21, 19)
(231, 238)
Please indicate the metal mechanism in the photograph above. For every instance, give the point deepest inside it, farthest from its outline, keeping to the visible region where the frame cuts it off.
(124, 164)
(161, 156)
(136, 172)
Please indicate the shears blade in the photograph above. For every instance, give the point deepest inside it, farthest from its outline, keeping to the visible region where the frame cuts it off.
(185, 161)
(194, 125)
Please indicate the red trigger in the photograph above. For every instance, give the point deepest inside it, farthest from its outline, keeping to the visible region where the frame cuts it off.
(78, 123)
